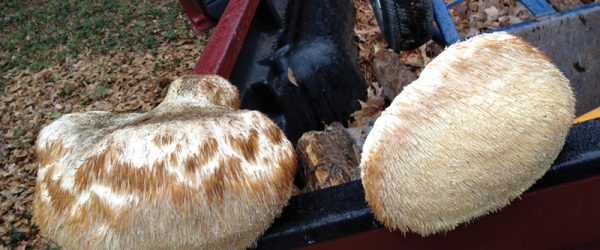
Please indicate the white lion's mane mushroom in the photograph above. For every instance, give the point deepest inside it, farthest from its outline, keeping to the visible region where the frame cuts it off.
(195, 172)
(483, 122)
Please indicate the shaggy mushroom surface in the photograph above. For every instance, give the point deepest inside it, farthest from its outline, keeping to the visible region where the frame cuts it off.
(195, 172)
(483, 122)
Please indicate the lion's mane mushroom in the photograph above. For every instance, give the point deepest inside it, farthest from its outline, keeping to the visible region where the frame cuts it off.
(483, 122)
(195, 172)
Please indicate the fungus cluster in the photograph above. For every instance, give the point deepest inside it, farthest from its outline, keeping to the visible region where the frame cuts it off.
(195, 172)
(483, 122)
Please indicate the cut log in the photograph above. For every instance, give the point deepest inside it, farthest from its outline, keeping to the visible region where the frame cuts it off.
(390, 73)
(327, 158)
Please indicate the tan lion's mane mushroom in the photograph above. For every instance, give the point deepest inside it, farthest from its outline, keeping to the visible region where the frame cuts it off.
(195, 172)
(483, 122)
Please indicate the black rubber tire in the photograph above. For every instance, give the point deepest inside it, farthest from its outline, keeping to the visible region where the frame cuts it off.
(406, 24)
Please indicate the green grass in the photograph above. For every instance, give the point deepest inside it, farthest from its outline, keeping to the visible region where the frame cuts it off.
(35, 34)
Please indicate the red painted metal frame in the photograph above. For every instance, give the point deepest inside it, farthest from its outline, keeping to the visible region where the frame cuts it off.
(223, 48)
(558, 217)
(197, 15)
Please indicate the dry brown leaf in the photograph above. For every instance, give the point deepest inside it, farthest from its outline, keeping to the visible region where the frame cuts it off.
(413, 58)
(290, 75)
(370, 109)
(476, 16)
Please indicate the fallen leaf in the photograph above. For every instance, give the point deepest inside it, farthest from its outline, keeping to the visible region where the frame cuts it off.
(291, 77)
(413, 58)
(370, 109)
(476, 16)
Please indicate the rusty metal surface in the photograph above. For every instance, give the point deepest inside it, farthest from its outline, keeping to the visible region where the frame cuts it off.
(572, 40)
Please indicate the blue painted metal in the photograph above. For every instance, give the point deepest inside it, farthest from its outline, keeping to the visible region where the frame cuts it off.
(444, 22)
(538, 7)
(556, 14)
(580, 8)
(453, 4)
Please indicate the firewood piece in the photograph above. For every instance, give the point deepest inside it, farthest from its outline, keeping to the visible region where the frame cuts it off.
(390, 73)
(327, 158)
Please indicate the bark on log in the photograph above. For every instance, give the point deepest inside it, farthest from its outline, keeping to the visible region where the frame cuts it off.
(327, 158)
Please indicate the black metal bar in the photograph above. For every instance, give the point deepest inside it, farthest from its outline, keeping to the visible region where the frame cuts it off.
(341, 210)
